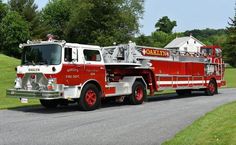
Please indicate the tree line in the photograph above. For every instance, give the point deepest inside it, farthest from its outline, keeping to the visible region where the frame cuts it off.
(100, 22)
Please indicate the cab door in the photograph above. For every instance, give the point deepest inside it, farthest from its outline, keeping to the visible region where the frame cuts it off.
(72, 67)
(94, 68)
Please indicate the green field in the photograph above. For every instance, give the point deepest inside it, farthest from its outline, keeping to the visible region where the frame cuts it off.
(215, 128)
(8, 75)
(7, 78)
(230, 77)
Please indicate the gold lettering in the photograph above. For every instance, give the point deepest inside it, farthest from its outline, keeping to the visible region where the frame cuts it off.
(155, 52)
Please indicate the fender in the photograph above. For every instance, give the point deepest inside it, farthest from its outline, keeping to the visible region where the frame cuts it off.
(80, 88)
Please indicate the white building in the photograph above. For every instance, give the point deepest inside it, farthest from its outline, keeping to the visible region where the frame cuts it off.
(188, 44)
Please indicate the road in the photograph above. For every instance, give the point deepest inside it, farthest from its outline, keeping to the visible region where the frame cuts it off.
(150, 123)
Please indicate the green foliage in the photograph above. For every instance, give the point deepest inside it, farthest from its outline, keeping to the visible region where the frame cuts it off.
(55, 17)
(164, 24)
(230, 47)
(3, 10)
(209, 36)
(144, 40)
(14, 30)
(28, 10)
(215, 128)
(161, 39)
(157, 39)
(99, 22)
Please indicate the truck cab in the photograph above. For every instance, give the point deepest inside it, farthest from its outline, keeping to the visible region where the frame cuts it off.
(56, 70)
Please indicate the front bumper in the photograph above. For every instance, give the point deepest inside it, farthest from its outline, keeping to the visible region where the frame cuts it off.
(19, 93)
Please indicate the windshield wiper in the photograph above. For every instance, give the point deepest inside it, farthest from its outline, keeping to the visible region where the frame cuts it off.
(42, 63)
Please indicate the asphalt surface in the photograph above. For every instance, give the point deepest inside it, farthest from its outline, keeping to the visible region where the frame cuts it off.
(150, 123)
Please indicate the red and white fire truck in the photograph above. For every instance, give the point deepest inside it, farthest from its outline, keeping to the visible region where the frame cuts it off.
(57, 72)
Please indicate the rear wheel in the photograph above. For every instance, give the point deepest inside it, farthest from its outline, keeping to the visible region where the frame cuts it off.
(211, 88)
(49, 103)
(90, 98)
(138, 93)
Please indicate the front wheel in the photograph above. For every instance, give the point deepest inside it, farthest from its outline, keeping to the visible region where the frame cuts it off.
(138, 93)
(211, 88)
(90, 98)
(49, 103)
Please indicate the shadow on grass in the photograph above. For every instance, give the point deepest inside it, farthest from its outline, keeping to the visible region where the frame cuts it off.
(105, 105)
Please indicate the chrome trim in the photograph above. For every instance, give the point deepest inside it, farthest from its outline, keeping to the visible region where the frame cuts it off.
(20, 93)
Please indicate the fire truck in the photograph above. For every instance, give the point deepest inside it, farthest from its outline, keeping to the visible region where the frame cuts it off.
(57, 72)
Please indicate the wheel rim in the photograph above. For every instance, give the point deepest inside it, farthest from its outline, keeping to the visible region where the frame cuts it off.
(139, 93)
(90, 97)
(211, 88)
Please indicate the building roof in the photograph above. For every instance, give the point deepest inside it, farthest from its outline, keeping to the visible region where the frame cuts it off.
(180, 41)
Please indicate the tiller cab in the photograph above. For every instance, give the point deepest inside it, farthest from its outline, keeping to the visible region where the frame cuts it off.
(57, 72)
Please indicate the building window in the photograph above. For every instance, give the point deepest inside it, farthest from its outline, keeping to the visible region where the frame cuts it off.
(185, 49)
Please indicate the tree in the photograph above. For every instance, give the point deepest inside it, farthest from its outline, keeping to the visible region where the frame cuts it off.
(209, 36)
(14, 30)
(164, 24)
(161, 39)
(28, 10)
(104, 21)
(99, 22)
(55, 17)
(144, 40)
(230, 47)
(3, 12)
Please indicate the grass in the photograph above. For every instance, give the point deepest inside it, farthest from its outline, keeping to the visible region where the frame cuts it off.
(7, 77)
(230, 77)
(215, 128)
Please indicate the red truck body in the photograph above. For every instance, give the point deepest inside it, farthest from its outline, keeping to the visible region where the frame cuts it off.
(57, 72)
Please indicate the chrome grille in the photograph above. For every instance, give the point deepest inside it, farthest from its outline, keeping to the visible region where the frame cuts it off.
(34, 81)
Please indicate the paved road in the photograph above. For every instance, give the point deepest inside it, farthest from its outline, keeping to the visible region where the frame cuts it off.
(151, 123)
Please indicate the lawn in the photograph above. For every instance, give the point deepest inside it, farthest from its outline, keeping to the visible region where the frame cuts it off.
(7, 77)
(230, 77)
(215, 128)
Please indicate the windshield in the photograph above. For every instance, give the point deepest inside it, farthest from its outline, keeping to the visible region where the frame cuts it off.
(42, 55)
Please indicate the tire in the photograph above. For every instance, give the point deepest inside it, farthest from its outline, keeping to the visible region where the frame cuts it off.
(138, 95)
(184, 92)
(89, 98)
(211, 88)
(49, 103)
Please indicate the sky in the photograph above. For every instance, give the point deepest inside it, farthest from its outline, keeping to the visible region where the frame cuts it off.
(189, 14)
